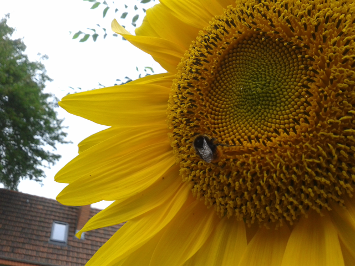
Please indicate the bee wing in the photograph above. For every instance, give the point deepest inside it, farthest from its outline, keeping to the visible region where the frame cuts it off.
(205, 152)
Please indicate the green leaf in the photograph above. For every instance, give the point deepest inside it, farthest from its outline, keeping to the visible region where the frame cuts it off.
(150, 68)
(105, 11)
(145, 1)
(135, 7)
(135, 18)
(94, 36)
(105, 35)
(92, 30)
(85, 38)
(125, 6)
(95, 5)
(105, 3)
(115, 35)
(116, 10)
(76, 35)
(124, 15)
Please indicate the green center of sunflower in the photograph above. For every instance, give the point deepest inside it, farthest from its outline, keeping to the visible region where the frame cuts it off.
(261, 113)
(259, 91)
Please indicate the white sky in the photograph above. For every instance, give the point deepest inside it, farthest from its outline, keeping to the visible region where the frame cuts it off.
(44, 26)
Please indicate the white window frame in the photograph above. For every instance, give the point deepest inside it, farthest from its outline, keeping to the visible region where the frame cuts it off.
(65, 233)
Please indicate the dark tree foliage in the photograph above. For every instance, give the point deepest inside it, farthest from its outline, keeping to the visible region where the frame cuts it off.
(29, 126)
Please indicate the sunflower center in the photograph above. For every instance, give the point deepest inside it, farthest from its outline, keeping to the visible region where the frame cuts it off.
(261, 114)
(258, 91)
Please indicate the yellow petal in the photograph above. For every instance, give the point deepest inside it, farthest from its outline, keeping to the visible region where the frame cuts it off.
(266, 248)
(349, 259)
(116, 27)
(192, 12)
(164, 79)
(216, 7)
(314, 241)
(225, 246)
(142, 255)
(225, 3)
(121, 143)
(213, 7)
(185, 235)
(120, 179)
(142, 202)
(160, 20)
(99, 137)
(146, 29)
(137, 232)
(251, 231)
(165, 52)
(126, 105)
(344, 220)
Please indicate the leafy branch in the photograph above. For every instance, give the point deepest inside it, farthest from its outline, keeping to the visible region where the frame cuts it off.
(148, 71)
(122, 12)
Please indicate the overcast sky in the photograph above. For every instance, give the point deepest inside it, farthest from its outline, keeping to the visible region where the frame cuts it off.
(45, 27)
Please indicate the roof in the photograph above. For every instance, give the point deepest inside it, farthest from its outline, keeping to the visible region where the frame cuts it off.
(25, 229)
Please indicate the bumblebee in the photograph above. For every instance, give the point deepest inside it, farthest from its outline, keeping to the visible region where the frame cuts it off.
(205, 148)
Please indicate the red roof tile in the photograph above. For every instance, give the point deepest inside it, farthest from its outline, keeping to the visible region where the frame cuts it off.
(25, 229)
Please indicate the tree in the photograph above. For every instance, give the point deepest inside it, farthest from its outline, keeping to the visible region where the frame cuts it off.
(29, 126)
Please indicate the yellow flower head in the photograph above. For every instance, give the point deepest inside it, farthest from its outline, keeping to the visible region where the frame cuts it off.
(243, 153)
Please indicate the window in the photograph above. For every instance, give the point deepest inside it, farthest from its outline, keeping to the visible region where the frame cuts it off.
(59, 232)
(82, 235)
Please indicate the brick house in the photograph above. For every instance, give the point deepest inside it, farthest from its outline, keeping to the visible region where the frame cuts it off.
(41, 231)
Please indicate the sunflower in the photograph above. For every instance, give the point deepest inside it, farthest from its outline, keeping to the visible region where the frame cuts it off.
(242, 153)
